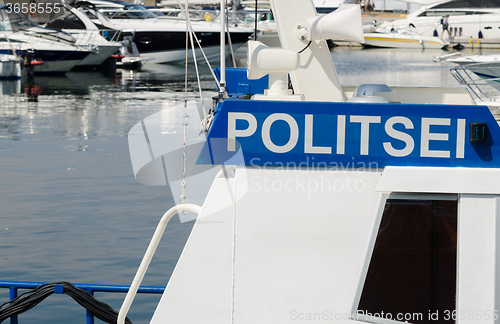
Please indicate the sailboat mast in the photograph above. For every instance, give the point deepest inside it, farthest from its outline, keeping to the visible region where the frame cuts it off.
(223, 48)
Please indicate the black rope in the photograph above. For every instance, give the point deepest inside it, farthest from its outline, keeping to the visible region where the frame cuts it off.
(30, 299)
(255, 33)
(305, 47)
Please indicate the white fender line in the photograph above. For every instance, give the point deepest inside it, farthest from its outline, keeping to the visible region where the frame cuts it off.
(149, 255)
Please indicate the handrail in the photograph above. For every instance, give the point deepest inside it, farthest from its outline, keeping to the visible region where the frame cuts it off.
(88, 287)
(143, 267)
(13, 287)
(464, 74)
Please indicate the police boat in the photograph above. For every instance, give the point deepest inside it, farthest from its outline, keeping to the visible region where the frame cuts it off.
(336, 204)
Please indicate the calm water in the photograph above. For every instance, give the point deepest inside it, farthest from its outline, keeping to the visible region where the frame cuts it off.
(70, 208)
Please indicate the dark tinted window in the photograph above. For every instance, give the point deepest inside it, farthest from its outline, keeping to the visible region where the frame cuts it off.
(469, 4)
(413, 267)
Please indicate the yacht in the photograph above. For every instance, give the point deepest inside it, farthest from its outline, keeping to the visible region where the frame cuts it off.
(56, 57)
(403, 39)
(55, 48)
(326, 6)
(476, 19)
(86, 34)
(163, 37)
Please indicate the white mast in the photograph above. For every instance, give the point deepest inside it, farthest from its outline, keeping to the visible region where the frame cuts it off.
(222, 49)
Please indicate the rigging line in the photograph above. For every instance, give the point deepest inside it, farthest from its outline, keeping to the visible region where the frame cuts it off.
(191, 33)
(201, 48)
(206, 119)
(230, 43)
(308, 44)
(183, 198)
(255, 31)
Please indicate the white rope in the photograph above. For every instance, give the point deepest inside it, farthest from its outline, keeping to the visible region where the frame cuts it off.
(207, 118)
(183, 198)
(201, 48)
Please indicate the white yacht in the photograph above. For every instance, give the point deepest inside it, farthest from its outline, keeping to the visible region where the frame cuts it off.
(467, 19)
(54, 48)
(403, 39)
(57, 49)
(163, 37)
(86, 34)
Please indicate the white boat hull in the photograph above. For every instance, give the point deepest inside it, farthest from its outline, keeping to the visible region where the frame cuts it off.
(397, 40)
(10, 67)
(103, 53)
(177, 56)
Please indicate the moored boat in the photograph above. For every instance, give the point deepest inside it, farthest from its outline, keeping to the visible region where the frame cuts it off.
(163, 37)
(467, 19)
(10, 67)
(483, 65)
(86, 34)
(55, 48)
(403, 39)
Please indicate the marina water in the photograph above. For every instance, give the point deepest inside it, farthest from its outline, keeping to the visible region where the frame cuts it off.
(70, 208)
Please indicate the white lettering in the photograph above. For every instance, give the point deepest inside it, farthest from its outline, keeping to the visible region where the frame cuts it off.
(427, 136)
(460, 138)
(232, 132)
(341, 134)
(308, 141)
(365, 130)
(266, 133)
(389, 129)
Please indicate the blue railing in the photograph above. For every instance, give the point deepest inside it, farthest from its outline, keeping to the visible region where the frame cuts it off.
(14, 286)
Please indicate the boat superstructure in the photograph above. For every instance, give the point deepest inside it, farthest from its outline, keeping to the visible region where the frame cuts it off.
(476, 19)
(368, 204)
(86, 34)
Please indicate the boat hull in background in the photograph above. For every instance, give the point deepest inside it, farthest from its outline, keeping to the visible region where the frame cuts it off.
(396, 40)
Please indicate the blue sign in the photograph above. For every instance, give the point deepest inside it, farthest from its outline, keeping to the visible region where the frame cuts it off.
(321, 134)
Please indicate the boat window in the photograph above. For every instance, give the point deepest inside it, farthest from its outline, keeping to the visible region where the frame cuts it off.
(442, 13)
(456, 4)
(130, 12)
(19, 22)
(89, 13)
(66, 21)
(4, 21)
(412, 272)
